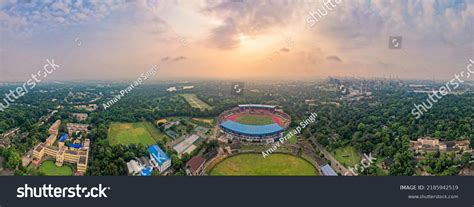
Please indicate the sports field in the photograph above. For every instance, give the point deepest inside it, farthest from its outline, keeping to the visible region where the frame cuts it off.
(252, 119)
(256, 165)
(49, 168)
(347, 156)
(133, 133)
(195, 102)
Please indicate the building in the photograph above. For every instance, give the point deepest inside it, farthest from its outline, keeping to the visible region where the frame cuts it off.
(158, 158)
(230, 126)
(171, 124)
(134, 167)
(73, 127)
(172, 89)
(195, 166)
(171, 134)
(80, 116)
(387, 163)
(76, 153)
(89, 107)
(161, 121)
(62, 153)
(428, 144)
(146, 171)
(253, 133)
(140, 167)
(55, 127)
(326, 170)
(186, 146)
(53, 131)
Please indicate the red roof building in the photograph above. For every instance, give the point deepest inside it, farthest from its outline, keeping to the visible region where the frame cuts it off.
(195, 166)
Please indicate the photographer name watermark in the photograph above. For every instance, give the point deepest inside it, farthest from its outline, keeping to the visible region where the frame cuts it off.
(143, 77)
(311, 119)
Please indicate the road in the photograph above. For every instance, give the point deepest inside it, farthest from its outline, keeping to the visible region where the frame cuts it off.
(336, 165)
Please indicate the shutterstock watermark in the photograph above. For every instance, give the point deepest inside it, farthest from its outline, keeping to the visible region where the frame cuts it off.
(48, 191)
(365, 163)
(315, 16)
(134, 84)
(28, 85)
(453, 84)
(311, 119)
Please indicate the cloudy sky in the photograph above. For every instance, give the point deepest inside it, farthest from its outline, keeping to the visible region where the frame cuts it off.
(235, 39)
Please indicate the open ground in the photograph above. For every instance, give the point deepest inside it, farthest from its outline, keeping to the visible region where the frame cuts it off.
(347, 156)
(134, 133)
(255, 164)
(195, 102)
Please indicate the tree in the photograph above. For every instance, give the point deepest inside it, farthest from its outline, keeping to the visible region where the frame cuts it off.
(13, 159)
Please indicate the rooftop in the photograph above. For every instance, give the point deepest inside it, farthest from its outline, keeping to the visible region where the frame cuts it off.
(256, 106)
(185, 144)
(158, 154)
(258, 130)
(328, 171)
(147, 171)
(195, 162)
(63, 137)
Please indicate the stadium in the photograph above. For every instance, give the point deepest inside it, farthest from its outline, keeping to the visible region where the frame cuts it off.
(254, 123)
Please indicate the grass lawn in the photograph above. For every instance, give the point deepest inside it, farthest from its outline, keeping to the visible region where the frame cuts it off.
(195, 102)
(347, 156)
(255, 119)
(256, 165)
(155, 133)
(292, 139)
(49, 168)
(134, 133)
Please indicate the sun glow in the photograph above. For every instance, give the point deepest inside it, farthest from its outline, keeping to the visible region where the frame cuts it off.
(244, 38)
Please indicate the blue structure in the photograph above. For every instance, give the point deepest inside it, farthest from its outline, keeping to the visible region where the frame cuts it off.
(251, 130)
(77, 146)
(146, 171)
(158, 154)
(63, 137)
(327, 170)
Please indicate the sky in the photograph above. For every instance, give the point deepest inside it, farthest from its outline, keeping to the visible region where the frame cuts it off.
(236, 39)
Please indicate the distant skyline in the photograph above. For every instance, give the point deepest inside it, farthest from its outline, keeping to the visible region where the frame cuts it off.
(235, 39)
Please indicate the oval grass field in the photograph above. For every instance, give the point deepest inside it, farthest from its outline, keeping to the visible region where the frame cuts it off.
(256, 165)
(49, 168)
(252, 119)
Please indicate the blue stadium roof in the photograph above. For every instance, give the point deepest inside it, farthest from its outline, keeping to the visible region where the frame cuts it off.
(251, 130)
(158, 154)
(63, 137)
(328, 171)
(256, 106)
